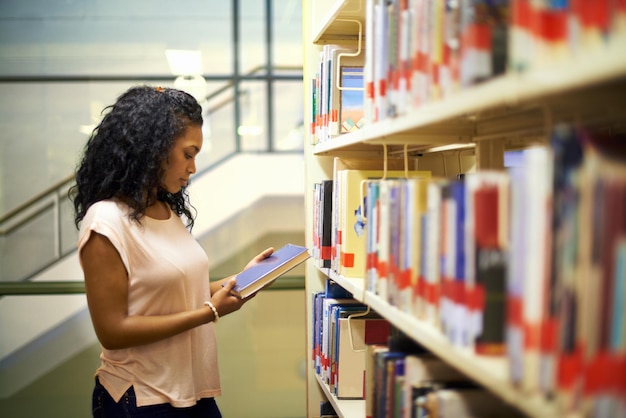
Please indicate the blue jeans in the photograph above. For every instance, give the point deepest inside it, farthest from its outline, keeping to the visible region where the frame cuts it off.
(103, 406)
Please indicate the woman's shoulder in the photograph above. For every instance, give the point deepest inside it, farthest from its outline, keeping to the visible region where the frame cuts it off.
(109, 206)
(109, 210)
(107, 217)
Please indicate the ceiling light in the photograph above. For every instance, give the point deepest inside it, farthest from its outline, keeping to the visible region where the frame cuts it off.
(184, 62)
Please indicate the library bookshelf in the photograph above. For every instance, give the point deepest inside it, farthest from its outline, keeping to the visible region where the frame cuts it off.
(466, 131)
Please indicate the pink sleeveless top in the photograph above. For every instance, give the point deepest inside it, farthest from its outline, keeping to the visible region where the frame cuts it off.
(167, 272)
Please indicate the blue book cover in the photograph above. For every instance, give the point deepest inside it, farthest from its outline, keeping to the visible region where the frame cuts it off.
(265, 272)
(334, 290)
(352, 99)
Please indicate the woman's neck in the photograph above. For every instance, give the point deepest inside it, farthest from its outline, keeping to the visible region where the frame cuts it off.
(159, 210)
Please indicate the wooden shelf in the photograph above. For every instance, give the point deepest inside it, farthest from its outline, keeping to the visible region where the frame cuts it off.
(329, 20)
(345, 408)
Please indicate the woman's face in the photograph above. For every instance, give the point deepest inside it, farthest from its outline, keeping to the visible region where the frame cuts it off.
(181, 163)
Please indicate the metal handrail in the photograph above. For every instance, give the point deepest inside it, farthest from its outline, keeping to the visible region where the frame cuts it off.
(53, 192)
(54, 189)
(36, 199)
(61, 287)
(66, 287)
(253, 74)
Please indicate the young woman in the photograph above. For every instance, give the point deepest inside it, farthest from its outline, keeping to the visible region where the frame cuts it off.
(146, 277)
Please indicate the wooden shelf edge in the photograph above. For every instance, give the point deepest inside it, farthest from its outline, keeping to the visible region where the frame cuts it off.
(340, 9)
(349, 408)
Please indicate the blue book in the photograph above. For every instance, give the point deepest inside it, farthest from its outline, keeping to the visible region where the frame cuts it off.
(265, 272)
(618, 331)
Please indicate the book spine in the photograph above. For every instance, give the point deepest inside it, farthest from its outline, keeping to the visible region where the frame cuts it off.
(392, 70)
(549, 25)
(317, 334)
(538, 206)
(381, 63)
(368, 68)
(489, 294)
(398, 382)
(372, 355)
(449, 288)
(520, 36)
(404, 57)
(314, 109)
(382, 247)
(436, 48)
(396, 286)
(316, 235)
(567, 159)
(516, 274)
(451, 67)
(372, 216)
(415, 203)
(328, 97)
(432, 255)
(326, 220)
(409, 246)
(336, 224)
(459, 294)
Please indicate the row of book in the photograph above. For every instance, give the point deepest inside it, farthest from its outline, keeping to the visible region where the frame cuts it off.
(544, 32)
(342, 327)
(422, 50)
(528, 263)
(410, 382)
(339, 213)
(417, 51)
(337, 93)
(358, 355)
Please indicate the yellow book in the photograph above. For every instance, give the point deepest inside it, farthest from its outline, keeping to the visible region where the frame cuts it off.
(353, 223)
(340, 164)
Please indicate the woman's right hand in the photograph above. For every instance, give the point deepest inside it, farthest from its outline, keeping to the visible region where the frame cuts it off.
(224, 301)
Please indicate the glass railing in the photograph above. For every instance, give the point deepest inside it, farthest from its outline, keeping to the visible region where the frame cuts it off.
(41, 231)
(37, 233)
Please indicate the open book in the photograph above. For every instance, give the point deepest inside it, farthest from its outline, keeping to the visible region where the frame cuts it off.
(265, 272)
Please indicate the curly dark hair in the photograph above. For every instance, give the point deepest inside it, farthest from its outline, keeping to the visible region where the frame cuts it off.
(124, 154)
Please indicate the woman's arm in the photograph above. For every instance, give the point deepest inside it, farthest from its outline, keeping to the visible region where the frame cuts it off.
(106, 284)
